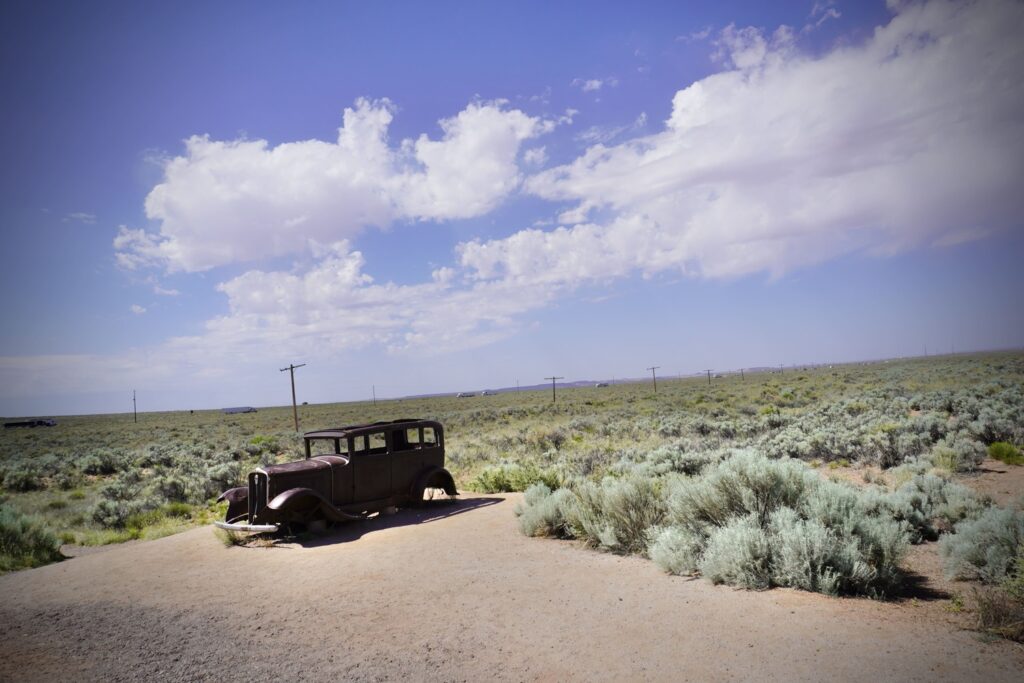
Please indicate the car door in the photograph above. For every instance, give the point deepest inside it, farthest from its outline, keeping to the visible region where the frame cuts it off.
(372, 467)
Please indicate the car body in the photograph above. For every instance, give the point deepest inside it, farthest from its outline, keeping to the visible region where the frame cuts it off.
(465, 394)
(47, 422)
(348, 473)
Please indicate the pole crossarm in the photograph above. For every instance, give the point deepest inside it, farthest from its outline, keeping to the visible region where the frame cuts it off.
(654, 377)
(553, 379)
(295, 410)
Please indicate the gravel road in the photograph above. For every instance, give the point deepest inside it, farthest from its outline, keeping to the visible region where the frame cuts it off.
(450, 593)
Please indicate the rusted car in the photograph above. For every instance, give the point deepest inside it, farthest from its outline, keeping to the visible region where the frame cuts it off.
(348, 473)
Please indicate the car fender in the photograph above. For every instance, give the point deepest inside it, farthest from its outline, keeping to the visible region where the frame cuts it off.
(238, 502)
(437, 477)
(305, 504)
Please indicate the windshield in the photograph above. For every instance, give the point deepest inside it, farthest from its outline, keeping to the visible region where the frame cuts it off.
(327, 446)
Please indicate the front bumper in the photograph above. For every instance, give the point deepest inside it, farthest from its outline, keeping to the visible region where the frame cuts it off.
(244, 527)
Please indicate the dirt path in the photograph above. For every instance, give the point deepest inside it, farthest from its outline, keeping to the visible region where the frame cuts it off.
(453, 593)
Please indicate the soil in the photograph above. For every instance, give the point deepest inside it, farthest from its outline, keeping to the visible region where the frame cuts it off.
(455, 592)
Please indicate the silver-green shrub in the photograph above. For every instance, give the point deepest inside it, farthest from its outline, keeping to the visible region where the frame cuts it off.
(984, 548)
(739, 554)
(25, 541)
(545, 513)
(617, 514)
(675, 550)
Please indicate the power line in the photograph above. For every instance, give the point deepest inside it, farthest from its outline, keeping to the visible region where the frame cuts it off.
(553, 386)
(654, 377)
(295, 411)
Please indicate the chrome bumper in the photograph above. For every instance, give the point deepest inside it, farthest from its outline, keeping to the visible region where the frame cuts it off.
(244, 527)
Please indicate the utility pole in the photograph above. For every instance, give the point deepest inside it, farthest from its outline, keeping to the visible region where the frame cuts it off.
(553, 386)
(741, 375)
(517, 385)
(373, 388)
(295, 410)
(135, 411)
(709, 377)
(781, 371)
(654, 377)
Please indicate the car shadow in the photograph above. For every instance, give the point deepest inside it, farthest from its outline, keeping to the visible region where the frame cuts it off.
(346, 532)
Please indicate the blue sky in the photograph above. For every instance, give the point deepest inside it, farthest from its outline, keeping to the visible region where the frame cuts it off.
(445, 196)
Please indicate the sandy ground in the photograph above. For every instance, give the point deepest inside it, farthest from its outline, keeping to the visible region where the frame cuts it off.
(453, 593)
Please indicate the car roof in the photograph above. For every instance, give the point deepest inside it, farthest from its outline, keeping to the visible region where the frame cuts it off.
(352, 430)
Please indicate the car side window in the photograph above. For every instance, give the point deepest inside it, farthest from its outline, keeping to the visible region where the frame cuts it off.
(412, 436)
(429, 438)
(359, 444)
(378, 443)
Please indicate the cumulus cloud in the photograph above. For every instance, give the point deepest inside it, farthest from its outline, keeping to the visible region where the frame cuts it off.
(783, 160)
(334, 306)
(537, 156)
(225, 202)
(137, 309)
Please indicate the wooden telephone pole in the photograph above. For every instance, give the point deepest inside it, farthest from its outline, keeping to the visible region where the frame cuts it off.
(654, 377)
(709, 377)
(135, 410)
(553, 386)
(295, 410)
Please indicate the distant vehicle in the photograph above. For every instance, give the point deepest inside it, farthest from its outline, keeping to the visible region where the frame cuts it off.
(487, 393)
(366, 468)
(241, 409)
(465, 394)
(601, 384)
(30, 423)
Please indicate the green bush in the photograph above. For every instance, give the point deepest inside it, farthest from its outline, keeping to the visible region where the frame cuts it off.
(1001, 609)
(114, 514)
(985, 548)
(25, 542)
(1006, 453)
(23, 477)
(506, 477)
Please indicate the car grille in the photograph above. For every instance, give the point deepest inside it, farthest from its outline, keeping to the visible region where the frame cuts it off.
(257, 494)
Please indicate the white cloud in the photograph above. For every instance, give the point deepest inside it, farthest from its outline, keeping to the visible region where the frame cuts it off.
(334, 306)
(536, 156)
(80, 217)
(135, 248)
(603, 134)
(595, 84)
(157, 289)
(243, 200)
(695, 36)
(137, 309)
(914, 138)
(783, 160)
